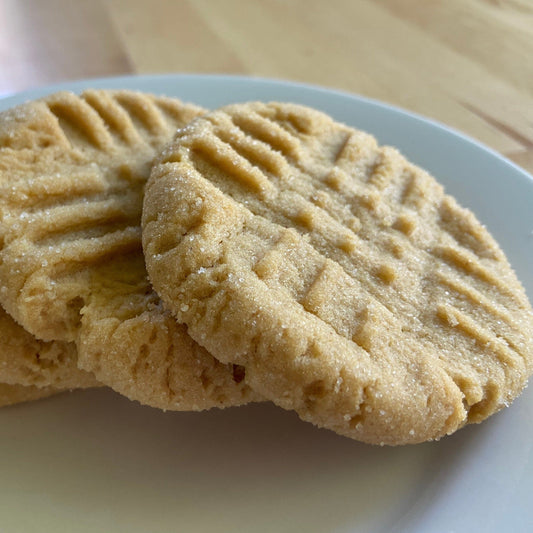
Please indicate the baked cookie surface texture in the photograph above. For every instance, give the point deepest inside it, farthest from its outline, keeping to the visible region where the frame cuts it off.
(344, 280)
(29, 362)
(72, 174)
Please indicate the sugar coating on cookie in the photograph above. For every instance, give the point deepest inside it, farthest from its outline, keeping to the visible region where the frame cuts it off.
(72, 174)
(344, 280)
(30, 362)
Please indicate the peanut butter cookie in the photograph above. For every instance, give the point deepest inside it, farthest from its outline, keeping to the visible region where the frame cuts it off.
(28, 362)
(72, 174)
(344, 280)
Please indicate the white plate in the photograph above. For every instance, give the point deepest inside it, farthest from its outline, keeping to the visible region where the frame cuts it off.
(93, 461)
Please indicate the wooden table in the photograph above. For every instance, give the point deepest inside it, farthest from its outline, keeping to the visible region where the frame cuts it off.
(467, 63)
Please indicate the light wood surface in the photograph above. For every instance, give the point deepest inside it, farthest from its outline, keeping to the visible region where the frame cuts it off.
(467, 63)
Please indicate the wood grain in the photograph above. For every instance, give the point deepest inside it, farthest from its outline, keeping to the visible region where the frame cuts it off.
(463, 62)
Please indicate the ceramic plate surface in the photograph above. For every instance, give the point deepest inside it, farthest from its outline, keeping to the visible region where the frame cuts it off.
(94, 461)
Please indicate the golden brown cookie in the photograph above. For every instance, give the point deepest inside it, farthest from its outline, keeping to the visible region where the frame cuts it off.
(125, 333)
(343, 279)
(28, 362)
(72, 173)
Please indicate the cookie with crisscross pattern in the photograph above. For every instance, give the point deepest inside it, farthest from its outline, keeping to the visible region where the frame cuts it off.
(72, 174)
(341, 276)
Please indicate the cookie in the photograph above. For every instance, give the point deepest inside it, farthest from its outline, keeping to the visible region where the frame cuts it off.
(28, 362)
(125, 333)
(344, 280)
(12, 394)
(72, 173)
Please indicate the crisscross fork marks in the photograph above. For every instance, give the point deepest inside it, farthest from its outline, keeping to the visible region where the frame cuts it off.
(306, 214)
(79, 202)
(77, 264)
(249, 146)
(340, 244)
(342, 216)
